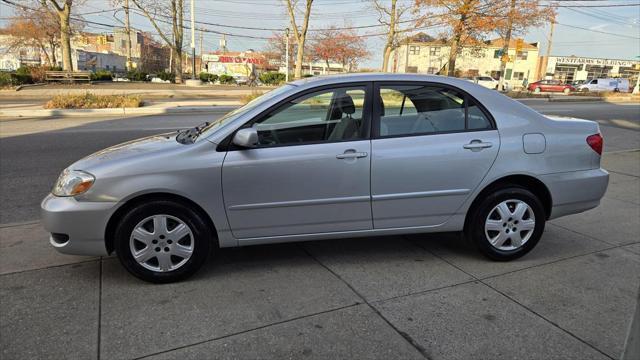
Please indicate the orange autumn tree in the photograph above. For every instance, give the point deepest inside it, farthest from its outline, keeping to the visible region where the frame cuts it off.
(37, 27)
(466, 22)
(339, 45)
(513, 18)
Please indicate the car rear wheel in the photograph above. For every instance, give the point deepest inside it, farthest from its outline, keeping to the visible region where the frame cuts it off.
(507, 224)
(536, 90)
(566, 90)
(162, 241)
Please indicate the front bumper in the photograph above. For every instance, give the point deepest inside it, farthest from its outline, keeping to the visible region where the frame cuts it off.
(77, 227)
(576, 191)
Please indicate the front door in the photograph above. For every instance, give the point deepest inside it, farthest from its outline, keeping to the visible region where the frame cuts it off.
(310, 172)
(432, 147)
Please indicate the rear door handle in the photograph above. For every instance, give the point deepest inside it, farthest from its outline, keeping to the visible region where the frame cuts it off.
(477, 145)
(351, 154)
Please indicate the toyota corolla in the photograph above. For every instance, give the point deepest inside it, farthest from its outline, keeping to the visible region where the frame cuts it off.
(331, 157)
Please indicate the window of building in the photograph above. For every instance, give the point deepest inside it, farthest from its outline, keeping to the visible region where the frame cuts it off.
(522, 55)
(496, 74)
(434, 51)
(123, 44)
(412, 69)
(328, 115)
(427, 109)
(518, 75)
(432, 70)
(414, 50)
(497, 53)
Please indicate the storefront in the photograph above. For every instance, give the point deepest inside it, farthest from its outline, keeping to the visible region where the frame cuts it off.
(231, 64)
(572, 68)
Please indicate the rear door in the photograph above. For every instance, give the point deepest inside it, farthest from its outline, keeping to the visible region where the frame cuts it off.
(432, 145)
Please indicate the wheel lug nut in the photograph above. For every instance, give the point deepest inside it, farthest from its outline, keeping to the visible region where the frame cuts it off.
(169, 241)
(161, 236)
(157, 249)
(154, 241)
(166, 249)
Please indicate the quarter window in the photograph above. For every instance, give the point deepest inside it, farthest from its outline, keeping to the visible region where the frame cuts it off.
(328, 115)
(427, 109)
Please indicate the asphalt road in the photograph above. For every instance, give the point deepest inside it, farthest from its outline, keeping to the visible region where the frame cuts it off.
(34, 151)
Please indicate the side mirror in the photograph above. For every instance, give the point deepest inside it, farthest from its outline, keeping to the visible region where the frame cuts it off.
(246, 138)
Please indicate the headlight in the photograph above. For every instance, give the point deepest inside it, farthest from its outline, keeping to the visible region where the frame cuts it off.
(73, 182)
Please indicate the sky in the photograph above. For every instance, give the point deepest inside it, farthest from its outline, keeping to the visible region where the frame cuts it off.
(271, 14)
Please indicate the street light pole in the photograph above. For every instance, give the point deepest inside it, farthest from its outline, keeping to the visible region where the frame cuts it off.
(193, 39)
(286, 76)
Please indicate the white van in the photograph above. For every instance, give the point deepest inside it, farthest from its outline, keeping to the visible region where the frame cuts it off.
(608, 84)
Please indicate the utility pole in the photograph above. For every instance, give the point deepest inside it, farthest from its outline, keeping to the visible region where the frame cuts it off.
(286, 59)
(505, 47)
(128, 30)
(171, 55)
(193, 39)
(201, 49)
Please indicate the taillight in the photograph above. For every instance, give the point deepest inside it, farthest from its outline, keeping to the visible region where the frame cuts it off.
(596, 142)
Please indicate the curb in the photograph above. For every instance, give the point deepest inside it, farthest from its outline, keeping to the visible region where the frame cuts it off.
(118, 111)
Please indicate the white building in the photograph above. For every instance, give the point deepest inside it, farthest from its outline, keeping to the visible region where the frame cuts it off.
(12, 59)
(92, 61)
(424, 54)
(576, 68)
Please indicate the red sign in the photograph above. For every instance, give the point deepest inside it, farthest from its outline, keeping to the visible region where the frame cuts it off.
(240, 60)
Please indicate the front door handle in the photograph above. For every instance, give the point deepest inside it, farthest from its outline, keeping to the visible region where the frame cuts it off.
(351, 154)
(477, 145)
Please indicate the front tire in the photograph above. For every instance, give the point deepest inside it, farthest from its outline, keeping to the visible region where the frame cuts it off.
(566, 91)
(507, 223)
(162, 241)
(536, 90)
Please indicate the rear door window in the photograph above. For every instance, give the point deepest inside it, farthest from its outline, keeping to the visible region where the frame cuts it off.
(427, 109)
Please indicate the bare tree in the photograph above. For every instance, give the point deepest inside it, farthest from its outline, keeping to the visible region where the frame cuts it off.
(389, 16)
(63, 10)
(153, 10)
(36, 27)
(300, 35)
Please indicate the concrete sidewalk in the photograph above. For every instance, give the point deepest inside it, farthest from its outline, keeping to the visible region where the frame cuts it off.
(417, 297)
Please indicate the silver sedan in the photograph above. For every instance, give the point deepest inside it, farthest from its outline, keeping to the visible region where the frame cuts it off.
(331, 157)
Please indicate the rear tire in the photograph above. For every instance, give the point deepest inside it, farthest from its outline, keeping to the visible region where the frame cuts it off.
(536, 90)
(566, 91)
(162, 241)
(507, 223)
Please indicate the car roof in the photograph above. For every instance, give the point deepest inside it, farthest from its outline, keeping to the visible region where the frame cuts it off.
(363, 77)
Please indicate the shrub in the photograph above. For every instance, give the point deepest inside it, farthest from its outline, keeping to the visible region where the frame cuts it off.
(102, 75)
(167, 76)
(22, 76)
(226, 79)
(249, 97)
(272, 78)
(135, 75)
(307, 75)
(5, 79)
(206, 77)
(91, 101)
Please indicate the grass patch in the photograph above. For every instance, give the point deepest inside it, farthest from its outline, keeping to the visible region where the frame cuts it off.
(250, 97)
(91, 101)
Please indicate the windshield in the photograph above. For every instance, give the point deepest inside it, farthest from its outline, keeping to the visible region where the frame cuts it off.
(229, 117)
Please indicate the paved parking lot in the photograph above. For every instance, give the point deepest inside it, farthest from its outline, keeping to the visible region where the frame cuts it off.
(424, 296)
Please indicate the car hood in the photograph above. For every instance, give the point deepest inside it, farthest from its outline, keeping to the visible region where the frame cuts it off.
(121, 154)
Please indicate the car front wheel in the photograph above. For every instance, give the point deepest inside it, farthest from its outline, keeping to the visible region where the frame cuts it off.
(507, 224)
(536, 90)
(566, 90)
(162, 241)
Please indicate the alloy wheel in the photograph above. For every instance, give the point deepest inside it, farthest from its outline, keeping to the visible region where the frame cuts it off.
(510, 224)
(161, 243)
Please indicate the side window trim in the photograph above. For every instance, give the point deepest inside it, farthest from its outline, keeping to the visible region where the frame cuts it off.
(227, 144)
(377, 106)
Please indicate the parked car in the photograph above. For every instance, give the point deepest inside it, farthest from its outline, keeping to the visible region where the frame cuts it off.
(331, 157)
(608, 84)
(487, 81)
(550, 86)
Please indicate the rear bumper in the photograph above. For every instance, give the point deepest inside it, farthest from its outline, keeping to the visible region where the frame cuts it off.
(576, 191)
(77, 227)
